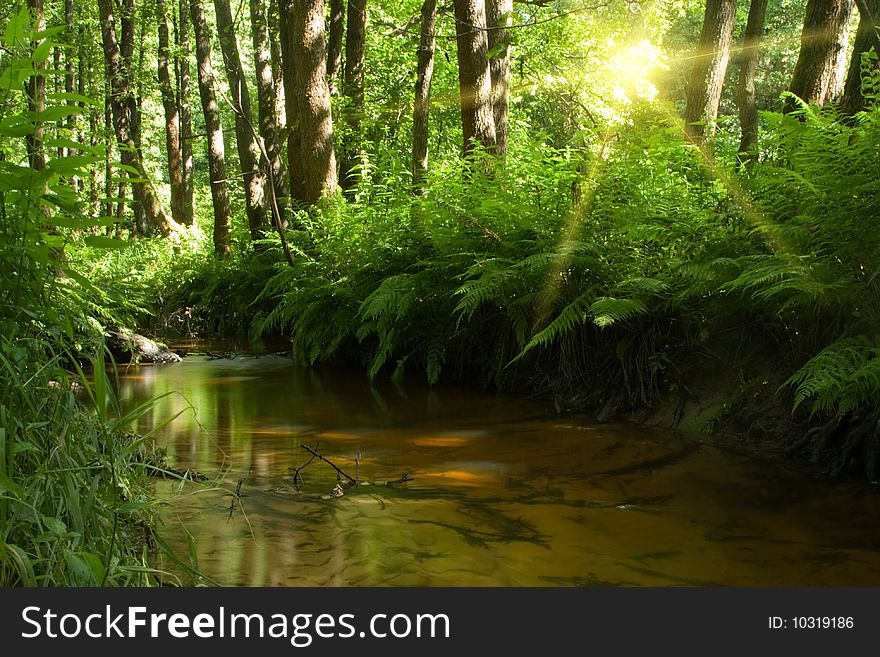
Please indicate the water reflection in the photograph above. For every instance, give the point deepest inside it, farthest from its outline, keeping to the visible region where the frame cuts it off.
(500, 495)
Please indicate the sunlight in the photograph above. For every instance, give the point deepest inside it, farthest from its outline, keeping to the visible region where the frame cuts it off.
(631, 68)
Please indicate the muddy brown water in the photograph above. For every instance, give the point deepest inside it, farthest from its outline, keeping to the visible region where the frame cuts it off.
(500, 495)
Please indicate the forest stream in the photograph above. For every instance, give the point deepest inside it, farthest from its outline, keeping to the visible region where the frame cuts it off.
(501, 493)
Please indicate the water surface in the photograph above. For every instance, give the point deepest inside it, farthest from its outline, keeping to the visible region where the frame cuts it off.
(500, 493)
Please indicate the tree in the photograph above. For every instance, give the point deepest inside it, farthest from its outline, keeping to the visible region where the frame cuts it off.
(866, 38)
(257, 199)
(499, 16)
(823, 43)
(335, 30)
(748, 69)
(353, 88)
(172, 118)
(35, 88)
(121, 107)
(311, 156)
(422, 104)
(709, 68)
(216, 156)
(183, 82)
(475, 78)
(266, 105)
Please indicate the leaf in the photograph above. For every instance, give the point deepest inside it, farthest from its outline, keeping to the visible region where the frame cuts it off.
(608, 310)
(86, 568)
(104, 242)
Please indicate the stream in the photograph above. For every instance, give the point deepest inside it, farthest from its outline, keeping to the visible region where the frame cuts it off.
(499, 494)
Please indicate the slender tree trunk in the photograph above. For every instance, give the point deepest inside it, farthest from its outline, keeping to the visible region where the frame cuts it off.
(335, 28)
(107, 205)
(474, 76)
(216, 161)
(70, 76)
(353, 89)
(748, 68)
(278, 66)
(499, 16)
(295, 167)
(120, 95)
(172, 117)
(867, 37)
(710, 65)
(183, 82)
(422, 104)
(312, 108)
(252, 166)
(822, 39)
(269, 127)
(35, 87)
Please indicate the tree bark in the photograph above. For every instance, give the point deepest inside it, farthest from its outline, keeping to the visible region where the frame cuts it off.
(353, 89)
(287, 37)
(499, 16)
(335, 29)
(748, 68)
(710, 66)
(422, 104)
(120, 95)
(183, 83)
(252, 165)
(313, 99)
(216, 156)
(474, 76)
(277, 64)
(822, 39)
(172, 117)
(867, 37)
(35, 88)
(269, 126)
(70, 76)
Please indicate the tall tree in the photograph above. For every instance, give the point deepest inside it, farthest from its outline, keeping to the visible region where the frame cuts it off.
(335, 29)
(499, 16)
(216, 156)
(172, 117)
(35, 87)
(474, 76)
(822, 39)
(269, 124)
(353, 88)
(120, 93)
(277, 63)
(70, 69)
(182, 72)
(867, 37)
(307, 54)
(710, 65)
(257, 198)
(287, 38)
(422, 104)
(749, 59)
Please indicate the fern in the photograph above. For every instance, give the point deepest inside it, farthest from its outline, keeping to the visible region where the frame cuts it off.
(609, 310)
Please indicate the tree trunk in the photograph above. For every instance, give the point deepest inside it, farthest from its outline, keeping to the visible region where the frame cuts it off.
(353, 89)
(35, 88)
(252, 165)
(822, 39)
(499, 16)
(172, 118)
(277, 64)
(70, 76)
(216, 161)
(269, 126)
(710, 65)
(334, 44)
(183, 82)
(474, 76)
(310, 90)
(422, 104)
(866, 38)
(748, 68)
(120, 104)
(287, 36)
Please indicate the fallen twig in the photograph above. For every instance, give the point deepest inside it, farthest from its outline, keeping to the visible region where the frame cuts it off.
(330, 463)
